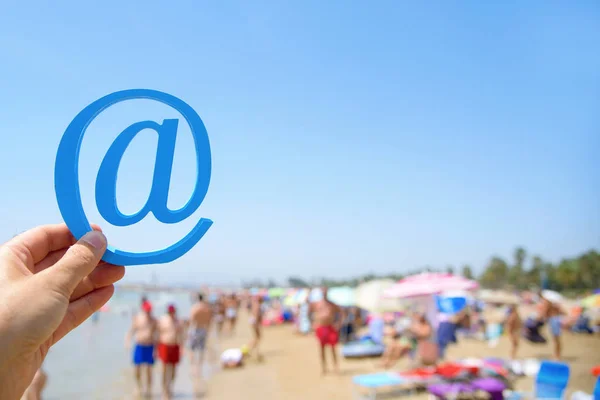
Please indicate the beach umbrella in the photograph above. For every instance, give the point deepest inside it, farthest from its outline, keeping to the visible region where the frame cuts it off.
(458, 294)
(369, 296)
(498, 297)
(315, 295)
(343, 296)
(552, 296)
(428, 283)
(288, 301)
(276, 292)
(592, 301)
(300, 296)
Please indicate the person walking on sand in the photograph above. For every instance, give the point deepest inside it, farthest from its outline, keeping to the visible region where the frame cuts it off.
(170, 338)
(552, 313)
(143, 330)
(232, 304)
(327, 318)
(200, 321)
(220, 314)
(256, 316)
(514, 325)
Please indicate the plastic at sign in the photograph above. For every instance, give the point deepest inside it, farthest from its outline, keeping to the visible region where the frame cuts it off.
(66, 176)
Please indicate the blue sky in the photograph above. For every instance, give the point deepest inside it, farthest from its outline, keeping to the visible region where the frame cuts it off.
(346, 137)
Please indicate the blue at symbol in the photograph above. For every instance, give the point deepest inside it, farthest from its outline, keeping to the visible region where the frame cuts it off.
(66, 176)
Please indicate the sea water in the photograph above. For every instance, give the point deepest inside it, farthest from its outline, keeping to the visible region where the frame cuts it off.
(92, 362)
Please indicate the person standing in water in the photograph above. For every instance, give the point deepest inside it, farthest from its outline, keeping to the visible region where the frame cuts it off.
(514, 325)
(170, 338)
(327, 318)
(200, 320)
(232, 304)
(255, 319)
(143, 330)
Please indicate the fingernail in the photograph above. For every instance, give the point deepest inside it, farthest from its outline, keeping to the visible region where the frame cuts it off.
(95, 239)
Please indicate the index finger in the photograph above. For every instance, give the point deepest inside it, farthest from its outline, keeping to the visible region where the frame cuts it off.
(35, 244)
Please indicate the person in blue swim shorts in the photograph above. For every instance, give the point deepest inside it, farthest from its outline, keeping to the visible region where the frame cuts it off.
(552, 313)
(144, 331)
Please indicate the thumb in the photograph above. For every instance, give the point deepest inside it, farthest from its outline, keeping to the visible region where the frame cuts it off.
(77, 263)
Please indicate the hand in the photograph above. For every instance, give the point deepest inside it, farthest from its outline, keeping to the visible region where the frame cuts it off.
(49, 284)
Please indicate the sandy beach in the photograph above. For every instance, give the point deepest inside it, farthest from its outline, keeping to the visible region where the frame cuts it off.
(290, 369)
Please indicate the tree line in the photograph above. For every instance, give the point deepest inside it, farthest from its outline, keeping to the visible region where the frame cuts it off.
(581, 273)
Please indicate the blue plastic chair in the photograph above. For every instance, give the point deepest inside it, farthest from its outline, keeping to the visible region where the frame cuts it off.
(552, 380)
(597, 390)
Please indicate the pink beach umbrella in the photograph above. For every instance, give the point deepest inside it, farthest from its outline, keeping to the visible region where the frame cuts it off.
(428, 283)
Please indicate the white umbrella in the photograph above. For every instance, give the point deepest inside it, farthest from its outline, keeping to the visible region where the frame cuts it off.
(369, 296)
(343, 296)
(552, 296)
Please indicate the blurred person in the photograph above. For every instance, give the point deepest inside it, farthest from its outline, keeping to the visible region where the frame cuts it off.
(51, 283)
(582, 322)
(255, 319)
(304, 317)
(201, 317)
(350, 324)
(232, 305)
(219, 313)
(419, 332)
(170, 339)
(514, 326)
(234, 358)
(446, 331)
(552, 313)
(327, 318)
(143, 330)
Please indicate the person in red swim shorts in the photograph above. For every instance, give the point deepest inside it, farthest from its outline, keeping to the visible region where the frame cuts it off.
(170, 339)
(327, 318)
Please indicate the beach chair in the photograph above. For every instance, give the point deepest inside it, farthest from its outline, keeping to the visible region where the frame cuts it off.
(373, 383)
(550, 383)
(552, 380)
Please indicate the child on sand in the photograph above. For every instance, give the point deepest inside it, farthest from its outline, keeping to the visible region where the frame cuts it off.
(234, 358)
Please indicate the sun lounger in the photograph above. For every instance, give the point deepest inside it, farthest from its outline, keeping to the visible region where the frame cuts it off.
(550, 383)
(373, 383)
(370, 385)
